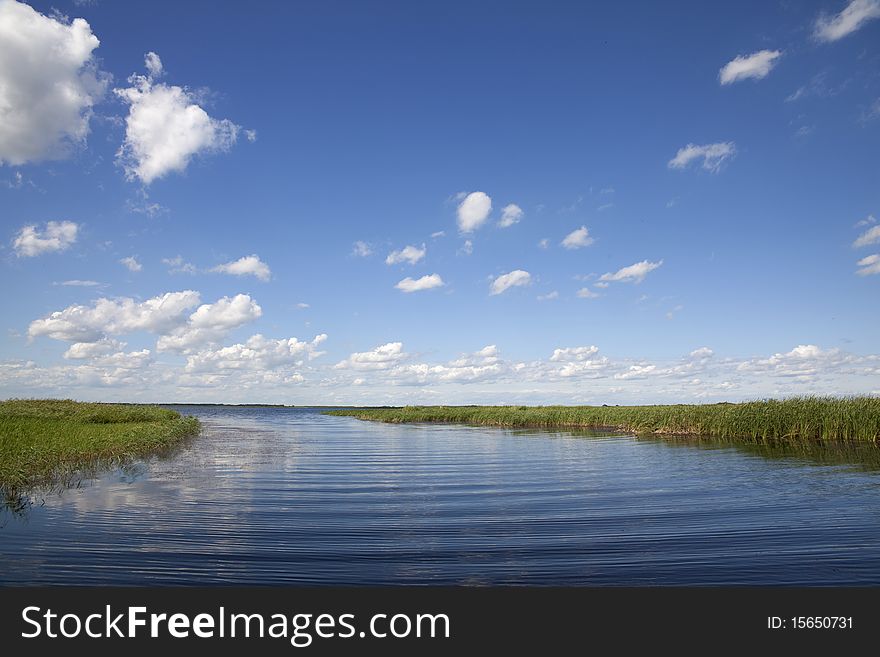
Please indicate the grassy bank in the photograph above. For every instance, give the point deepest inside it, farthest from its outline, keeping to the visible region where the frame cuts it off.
(797, 419)
(42, 441)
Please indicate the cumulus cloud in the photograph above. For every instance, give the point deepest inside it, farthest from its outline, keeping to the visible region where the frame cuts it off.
(80, 323)
(473, 211)
(567, 354)
(165, 127)
(153, 65)
(580, 362)
(632, 274)
(850, 19)
(410, 254)
(426, 282)
(587, 293)
(757, 65)
(257, 353)
(635, 372)
(48, 84)
(578, 238)
(178, 265)
(380, 358)
(57, 236)
(803, 360)
(870, 236)
(713, 155)
(361, 249)
(869, 265)
(516, 278)
(131, 263)
(550, 296)
(84, 350)
(247, 266)
(210, 323)
(510, 214)
(480, 365)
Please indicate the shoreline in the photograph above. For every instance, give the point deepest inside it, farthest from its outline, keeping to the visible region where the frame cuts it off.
(801, 419)
(45, 442)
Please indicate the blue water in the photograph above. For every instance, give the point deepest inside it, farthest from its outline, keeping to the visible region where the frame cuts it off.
(289, 496)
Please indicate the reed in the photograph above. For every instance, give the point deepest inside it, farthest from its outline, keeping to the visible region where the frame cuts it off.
(795, 419)
(44, 440)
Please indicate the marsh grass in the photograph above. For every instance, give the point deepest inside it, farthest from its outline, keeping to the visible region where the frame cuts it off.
(46, 441)
(851, 419)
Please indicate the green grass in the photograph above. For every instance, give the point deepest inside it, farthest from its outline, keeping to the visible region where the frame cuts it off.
(44, 441)
(853, 419)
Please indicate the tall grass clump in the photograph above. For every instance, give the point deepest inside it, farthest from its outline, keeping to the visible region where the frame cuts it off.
(44, 440)
(795, 419)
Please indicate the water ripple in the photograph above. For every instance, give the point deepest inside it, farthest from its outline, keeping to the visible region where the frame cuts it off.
(288, 496)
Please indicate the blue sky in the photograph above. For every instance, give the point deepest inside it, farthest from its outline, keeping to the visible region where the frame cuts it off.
(690, 192)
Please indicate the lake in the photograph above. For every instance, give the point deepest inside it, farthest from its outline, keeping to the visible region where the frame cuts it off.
(290, 496)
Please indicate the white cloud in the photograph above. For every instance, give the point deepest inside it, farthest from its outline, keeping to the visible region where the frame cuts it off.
(757, 66)
(803, 361)
(131, 263)
(302, 305)
(870, 236)
(85, 350)
(380, 358)
(361, 249)
(410, 254)
(438, 234)
(251, 135)
(567, 354)
(57, 236)
(702, 352)
(480, 365)
(504, 282)
(587, 293)
(165, 128)
(632, 274)
(153, 64)
(48, 84)
(177, 265)
(210, 323)
(580, 362)
(867, 221)
(79, 283)
(635, 372)
(549, 296)
(578, 238)
(257, 353)
(850, 19)
(544, 243)
(713, 155)
(473, 211)
(511, 214)
(670, 314)
(246, 266)
(79, 323)
(426, 282)
(467, 248)
(869, 265)
(132, 360)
